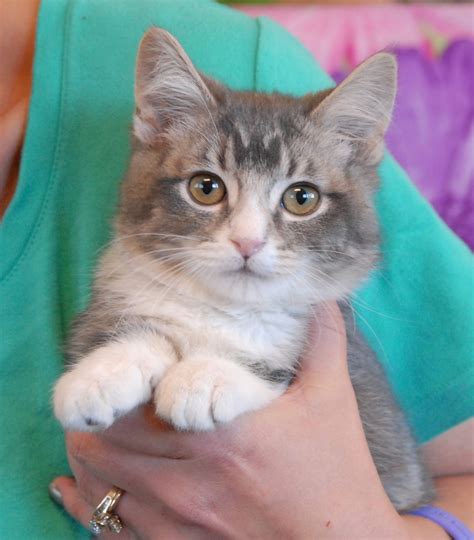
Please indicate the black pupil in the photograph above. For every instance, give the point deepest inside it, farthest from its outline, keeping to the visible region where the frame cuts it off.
(208, 185)
(302, 196)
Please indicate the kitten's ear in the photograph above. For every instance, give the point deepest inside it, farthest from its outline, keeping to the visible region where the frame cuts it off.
(168, 88)
(360, 108)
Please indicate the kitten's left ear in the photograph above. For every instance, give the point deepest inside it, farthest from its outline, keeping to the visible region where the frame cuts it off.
(360, 108)
(169, 91)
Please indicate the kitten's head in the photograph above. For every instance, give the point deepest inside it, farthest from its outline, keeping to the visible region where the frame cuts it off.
(253, 197)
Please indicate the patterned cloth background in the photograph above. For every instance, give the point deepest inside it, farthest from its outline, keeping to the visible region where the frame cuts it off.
(432, 133)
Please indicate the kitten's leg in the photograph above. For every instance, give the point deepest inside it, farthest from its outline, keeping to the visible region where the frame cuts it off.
(111, 380)
(200, 392)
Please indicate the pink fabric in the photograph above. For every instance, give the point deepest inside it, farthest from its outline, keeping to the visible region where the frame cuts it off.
(341, 37)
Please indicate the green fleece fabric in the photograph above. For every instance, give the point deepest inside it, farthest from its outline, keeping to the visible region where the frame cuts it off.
(417, 311)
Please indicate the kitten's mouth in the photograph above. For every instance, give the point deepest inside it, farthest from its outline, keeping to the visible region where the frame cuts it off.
(245, 270)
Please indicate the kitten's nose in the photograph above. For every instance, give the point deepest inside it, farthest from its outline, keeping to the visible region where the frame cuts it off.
(247, 246)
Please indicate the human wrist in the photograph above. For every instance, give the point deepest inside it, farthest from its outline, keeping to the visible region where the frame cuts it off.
(419, 528)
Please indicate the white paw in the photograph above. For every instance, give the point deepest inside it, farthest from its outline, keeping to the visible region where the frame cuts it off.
(198, 394)
(106, 384)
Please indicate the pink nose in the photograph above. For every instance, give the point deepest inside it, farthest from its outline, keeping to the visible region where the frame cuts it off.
(247, 246)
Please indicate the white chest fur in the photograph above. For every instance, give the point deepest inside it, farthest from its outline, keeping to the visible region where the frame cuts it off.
(247, 334)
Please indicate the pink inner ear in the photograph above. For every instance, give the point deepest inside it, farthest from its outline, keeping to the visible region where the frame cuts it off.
(144, 130)
(168, 88)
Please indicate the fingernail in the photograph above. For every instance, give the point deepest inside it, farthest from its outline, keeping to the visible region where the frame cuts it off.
(55, 494)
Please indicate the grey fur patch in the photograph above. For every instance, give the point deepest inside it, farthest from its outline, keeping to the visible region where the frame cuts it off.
(392, 445)
(292, 167)
(276, 376)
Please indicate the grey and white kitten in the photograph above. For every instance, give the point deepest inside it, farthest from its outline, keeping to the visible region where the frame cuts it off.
(239, 213)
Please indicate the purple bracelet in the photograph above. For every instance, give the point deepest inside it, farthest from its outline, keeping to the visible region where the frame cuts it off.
(451, 524)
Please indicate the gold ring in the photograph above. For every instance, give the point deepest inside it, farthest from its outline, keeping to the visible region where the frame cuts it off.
(103, 516)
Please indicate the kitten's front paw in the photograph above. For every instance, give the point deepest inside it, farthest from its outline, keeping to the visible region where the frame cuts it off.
(198, 394)
(100, 388)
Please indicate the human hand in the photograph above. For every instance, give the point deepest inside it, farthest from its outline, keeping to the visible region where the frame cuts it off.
(300, 468)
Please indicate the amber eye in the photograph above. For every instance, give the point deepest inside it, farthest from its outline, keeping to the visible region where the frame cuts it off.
(207, 188)
(301, 199)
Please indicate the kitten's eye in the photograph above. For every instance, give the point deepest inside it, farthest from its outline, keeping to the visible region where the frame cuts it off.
(301, 199)
(207, 188)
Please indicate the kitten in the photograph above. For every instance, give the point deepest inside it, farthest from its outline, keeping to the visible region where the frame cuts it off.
(239, 212)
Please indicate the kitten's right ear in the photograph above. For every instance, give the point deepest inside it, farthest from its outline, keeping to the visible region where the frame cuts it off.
(359, 109)
(168, 89)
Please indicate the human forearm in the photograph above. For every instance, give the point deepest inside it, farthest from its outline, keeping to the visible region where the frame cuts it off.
(455, 495)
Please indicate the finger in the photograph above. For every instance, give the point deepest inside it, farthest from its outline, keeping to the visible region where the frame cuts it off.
(92, 489)
(146, 481)
(142, 432)
(130, 509)
(65, 492)
(324, 360)
(141, 519)
(145, 477)
(114, 465)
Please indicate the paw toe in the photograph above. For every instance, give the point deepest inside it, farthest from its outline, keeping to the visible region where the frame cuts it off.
(223, 406)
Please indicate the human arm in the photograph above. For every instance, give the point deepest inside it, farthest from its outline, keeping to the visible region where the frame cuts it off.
(454, 493)
(450, 458)
(253, 478)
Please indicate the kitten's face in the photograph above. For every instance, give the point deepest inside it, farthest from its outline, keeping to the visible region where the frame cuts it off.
(251, 197)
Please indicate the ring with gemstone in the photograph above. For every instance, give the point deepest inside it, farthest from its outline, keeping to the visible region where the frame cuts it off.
(103, 517)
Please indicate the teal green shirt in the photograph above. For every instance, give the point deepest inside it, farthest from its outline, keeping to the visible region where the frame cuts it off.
(417, 310)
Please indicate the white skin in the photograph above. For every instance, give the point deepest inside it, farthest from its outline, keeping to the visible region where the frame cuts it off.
(300, 468)
(268, 483)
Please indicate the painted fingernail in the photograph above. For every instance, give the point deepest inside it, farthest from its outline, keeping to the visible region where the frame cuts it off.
(55, 494)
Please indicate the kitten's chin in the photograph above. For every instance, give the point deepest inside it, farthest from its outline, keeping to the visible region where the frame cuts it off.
(274, 289)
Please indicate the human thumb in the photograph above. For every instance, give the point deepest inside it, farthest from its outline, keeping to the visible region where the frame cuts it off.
(325, 356)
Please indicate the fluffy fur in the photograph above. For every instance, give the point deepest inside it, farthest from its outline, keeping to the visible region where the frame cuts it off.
(180, 312)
